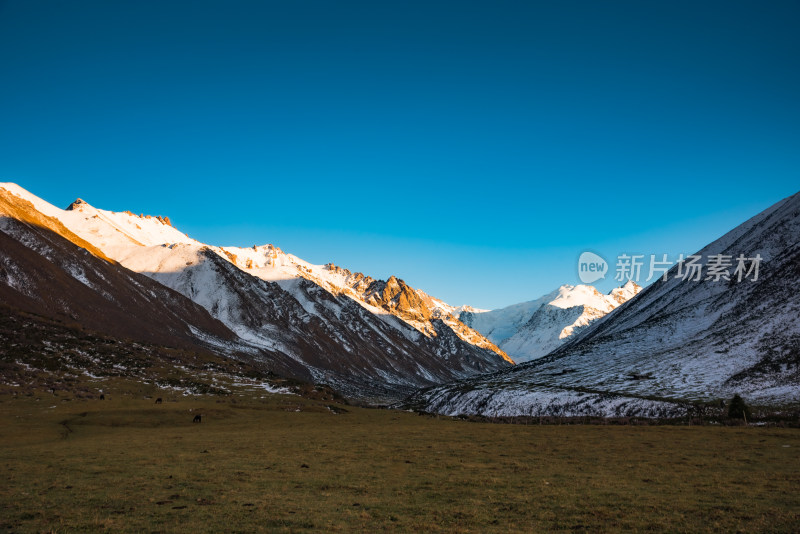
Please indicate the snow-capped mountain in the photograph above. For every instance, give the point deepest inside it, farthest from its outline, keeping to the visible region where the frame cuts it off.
(48, 271)
(346, 329)
(499, 325)
(532, 329)
(679, 340)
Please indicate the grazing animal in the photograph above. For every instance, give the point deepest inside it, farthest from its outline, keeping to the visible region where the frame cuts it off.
(158, 400)
(102, 397)
(196, 419)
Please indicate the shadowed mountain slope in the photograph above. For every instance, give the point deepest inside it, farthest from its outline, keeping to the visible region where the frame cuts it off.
(679, 339)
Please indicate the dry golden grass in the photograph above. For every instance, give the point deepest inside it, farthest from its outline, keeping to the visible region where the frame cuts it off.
(258, 465)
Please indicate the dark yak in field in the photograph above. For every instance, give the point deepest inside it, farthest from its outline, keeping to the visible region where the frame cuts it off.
(196, 419)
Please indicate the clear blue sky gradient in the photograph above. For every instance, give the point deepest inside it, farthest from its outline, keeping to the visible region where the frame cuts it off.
(474, 149)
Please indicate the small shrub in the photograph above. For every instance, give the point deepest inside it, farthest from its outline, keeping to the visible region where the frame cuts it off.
(738, 409)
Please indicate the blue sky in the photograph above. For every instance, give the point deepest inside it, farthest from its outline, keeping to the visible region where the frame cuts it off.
(474, 149)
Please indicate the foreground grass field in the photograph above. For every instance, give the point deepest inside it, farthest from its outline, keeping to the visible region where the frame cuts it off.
(286, 464)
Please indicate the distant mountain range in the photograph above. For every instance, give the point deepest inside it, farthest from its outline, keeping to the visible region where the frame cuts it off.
(533, 329)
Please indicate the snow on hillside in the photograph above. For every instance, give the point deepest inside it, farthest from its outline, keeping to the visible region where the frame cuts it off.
(109, 231)
(680, 340)
(113, 231)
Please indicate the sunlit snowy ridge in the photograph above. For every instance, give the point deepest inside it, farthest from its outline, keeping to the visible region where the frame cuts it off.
(342, 327)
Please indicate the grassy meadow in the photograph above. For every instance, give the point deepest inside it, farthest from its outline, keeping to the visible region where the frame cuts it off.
(283, 463)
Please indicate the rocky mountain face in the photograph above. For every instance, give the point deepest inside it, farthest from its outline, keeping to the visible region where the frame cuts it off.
(530, 330)
(414, 306)
(687, 339)
(367, 337)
